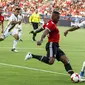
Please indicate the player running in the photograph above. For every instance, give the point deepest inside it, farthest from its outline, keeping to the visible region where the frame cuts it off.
(81, 25)
(19, 26)
(52, 46)
(10, 30)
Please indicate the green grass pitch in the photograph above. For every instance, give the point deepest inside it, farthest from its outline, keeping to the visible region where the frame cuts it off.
(15, 71)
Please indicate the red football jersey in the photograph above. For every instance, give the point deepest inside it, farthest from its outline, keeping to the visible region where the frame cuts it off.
(54, 35)
(1, 18)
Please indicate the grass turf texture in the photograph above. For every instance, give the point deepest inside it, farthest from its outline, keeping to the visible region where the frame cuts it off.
(12, 74)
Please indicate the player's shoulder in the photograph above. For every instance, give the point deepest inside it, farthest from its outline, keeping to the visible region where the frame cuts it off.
(1, 16)
(13, 15)
(50, 22)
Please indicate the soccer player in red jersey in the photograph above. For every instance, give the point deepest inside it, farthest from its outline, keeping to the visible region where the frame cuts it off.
(1, 20)
(52, 46)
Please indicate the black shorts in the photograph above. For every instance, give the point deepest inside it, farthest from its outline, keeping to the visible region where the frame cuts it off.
(53, 50)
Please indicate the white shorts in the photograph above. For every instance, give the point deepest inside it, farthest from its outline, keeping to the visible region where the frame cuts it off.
(82, 24)
(12, 32)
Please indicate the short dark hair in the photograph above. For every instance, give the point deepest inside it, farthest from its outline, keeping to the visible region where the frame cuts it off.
(17, 8)
(56, 12)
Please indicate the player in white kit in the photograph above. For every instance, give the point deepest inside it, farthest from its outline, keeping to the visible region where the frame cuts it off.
(81, 25)
(10, 29)
(19, 26)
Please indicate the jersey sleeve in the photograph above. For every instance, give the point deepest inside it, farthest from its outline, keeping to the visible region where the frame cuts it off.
(12, 18)
(50, 26)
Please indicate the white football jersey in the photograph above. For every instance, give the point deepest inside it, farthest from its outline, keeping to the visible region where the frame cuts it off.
(19, 26)
(12, 18)
(20, 17)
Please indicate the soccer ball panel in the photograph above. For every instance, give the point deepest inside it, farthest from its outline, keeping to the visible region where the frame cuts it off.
(75, 77)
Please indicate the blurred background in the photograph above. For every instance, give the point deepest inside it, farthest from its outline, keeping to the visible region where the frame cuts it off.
(70, 10)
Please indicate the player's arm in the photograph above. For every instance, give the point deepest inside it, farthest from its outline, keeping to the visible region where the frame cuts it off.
(71, 29)
(46, 31)
(37, 30)
(15, 22)
(35, 33)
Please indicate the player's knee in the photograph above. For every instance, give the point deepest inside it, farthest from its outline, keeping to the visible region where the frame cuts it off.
(16, 37)
(1, 39)
(51, 61)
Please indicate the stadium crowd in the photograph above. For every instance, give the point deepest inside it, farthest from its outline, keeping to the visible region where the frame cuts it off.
(29, 8)
(65, 7)
(73, 10)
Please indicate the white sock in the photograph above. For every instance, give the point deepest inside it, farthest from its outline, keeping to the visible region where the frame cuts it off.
(83, 67)
(15, 43)
(20, 35)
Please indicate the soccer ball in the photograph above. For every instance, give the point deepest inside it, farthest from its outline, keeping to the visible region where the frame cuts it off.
(75, 77)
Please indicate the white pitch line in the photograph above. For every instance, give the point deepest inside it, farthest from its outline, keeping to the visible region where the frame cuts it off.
(23, 48)
(43, 49)
(34, 69)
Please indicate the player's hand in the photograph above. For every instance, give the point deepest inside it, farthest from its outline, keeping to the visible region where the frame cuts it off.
(65, 33)
(31, 32)
(39, 42)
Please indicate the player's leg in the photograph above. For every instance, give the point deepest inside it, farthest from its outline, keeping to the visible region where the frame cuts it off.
(20, 31)
(82, 69)
(34, 32)
(62, 57)
(20, 35)
(38, 57)
(4, 35)
(34, 35)
(49, 59)
(1, 38)
(35, 26)
(15, 42)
